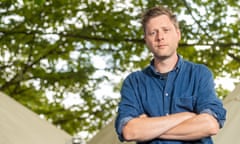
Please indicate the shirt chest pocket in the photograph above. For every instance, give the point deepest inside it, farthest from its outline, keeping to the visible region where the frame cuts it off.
(183, 104)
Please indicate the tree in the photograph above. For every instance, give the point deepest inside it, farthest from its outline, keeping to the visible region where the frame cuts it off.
(47, 47)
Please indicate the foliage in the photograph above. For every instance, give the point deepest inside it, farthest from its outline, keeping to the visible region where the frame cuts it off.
(48, 46)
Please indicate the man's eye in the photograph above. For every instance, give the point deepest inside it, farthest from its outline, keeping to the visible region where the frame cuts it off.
(152, 33)
(166, 30)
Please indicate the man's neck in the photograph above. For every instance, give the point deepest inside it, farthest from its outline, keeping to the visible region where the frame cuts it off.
(165, 65)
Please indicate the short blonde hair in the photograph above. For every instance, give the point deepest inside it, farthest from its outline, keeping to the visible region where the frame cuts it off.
(157, 11)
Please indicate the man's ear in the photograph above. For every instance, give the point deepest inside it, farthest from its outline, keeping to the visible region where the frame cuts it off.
(144, 37)
(179, 34)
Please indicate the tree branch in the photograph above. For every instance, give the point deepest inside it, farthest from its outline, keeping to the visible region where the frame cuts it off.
(198, 22)
(102, 39)
(234, 57)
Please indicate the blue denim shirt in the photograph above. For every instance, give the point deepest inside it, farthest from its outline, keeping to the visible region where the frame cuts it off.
(187, 88)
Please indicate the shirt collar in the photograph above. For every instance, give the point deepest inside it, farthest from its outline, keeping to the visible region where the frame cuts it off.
(177, 67)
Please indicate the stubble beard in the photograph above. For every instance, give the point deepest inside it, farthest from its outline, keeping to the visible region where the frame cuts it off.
(164, 57)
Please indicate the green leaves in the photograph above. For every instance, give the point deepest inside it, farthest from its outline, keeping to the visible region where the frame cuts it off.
(39, 2)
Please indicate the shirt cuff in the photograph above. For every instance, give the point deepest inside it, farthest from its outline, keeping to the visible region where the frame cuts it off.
(122, 123)
(210, 112)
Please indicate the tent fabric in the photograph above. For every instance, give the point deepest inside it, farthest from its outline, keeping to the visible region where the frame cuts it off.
(107, 136)
(229, 134)
(19, 125)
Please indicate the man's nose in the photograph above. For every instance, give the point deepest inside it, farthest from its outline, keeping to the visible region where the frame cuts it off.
(159, 36)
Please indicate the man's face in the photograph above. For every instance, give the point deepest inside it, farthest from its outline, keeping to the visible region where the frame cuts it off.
(162, 37)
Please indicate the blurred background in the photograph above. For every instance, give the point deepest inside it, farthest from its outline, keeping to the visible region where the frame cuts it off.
(66, 59)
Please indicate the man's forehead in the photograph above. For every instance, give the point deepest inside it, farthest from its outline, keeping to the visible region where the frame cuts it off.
(159, 21)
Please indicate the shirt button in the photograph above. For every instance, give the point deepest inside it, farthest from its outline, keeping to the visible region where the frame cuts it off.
(166, 94)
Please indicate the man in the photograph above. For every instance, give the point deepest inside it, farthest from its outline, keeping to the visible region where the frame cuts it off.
(172, 101)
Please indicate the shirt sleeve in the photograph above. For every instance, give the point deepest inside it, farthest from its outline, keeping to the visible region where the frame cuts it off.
(129, 106)
(207, 100)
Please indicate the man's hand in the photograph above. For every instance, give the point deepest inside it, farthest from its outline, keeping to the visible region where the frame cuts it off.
(143, 116)
(200, 126)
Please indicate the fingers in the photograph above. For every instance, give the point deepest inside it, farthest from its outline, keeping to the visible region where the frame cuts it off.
(143, 116)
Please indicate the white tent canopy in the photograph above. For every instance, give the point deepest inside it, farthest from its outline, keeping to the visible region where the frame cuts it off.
(19, 125)
(229, 134)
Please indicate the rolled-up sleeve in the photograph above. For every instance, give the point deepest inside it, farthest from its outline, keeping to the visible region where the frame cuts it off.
(120, 125)
(210, 112)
